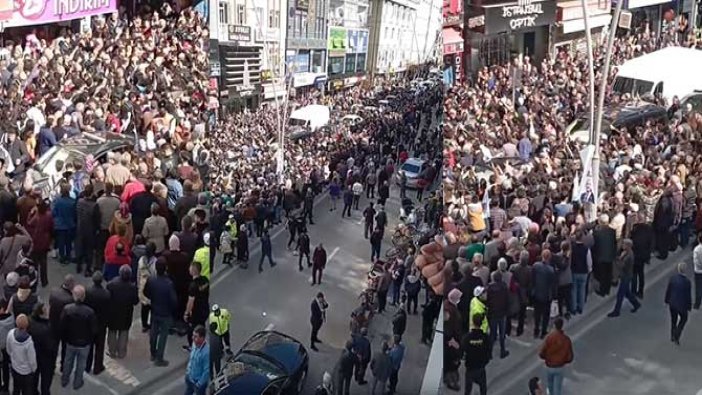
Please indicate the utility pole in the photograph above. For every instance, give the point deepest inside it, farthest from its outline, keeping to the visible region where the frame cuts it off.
(600, 104)
(594, 139)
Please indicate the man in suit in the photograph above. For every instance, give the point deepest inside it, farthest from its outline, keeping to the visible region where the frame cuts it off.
(319, 315)
(678, 297)
(604, 254)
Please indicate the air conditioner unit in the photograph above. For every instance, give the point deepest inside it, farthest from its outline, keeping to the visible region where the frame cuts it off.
(625, 20)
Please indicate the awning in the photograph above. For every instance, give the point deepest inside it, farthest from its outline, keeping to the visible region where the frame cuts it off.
(578, 25)
(452, 36)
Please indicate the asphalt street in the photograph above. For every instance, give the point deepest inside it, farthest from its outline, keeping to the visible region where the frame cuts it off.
(279, 298)
(630, 354)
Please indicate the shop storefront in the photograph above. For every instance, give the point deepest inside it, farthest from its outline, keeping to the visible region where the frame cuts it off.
(347, 50)
(304, 83)
(647, 12)
(240, 69)
(45, 19)
(453, 54)
(500, 31)
(569, 31)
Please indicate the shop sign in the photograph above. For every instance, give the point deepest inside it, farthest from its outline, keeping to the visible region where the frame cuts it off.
(239, 33)
(337, 43)
(337, 84)
(351, 81)
(476, 22)
(452, 19)
(215, 69)
(27, 13)
(453, 48)
(521, 15)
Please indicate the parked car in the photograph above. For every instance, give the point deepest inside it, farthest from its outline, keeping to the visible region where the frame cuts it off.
(629, 115)
(49, 168)
(269, 363)
(412, 168)
(694, 100)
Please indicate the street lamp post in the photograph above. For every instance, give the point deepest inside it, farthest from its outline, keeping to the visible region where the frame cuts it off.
(601, 99)
(591, 86)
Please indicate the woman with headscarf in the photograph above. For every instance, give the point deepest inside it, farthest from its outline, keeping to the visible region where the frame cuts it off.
(123, 217)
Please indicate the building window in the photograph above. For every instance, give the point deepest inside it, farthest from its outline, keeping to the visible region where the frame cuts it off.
(273, 14)
(223, 13)
(241, 14)
(336, 65)
(304, 27)
(361, 63)
(350, 63)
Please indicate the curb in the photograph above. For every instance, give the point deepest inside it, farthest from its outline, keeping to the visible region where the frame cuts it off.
(595, 308)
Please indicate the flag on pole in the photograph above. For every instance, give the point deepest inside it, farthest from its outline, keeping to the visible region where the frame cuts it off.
(576, 189)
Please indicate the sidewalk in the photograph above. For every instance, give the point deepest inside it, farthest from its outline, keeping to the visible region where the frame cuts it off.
(524, 349)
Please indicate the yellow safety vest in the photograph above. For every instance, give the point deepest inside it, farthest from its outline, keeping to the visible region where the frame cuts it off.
(222, 321)
(202, 255)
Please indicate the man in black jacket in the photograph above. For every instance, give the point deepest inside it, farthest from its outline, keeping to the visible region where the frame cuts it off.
(497, 307)
(123, 298)
(604, 253)
(368, 217)
(642, 236)
(303, 249)
(79, 326)
(98, 298)
(362, 346)
(318, 316)
(58, 299)
(399, 321)
(87, 227)
(663, 224)
(45, 347)
(161, 292)
(346, 364)
(476, 351)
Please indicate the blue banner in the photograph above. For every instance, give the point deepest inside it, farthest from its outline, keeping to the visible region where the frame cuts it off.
(352, 36)
(362, 41)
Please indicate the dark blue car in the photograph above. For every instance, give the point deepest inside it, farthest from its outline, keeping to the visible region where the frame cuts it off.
(269, 363)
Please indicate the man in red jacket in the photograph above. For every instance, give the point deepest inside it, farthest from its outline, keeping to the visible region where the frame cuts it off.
(556, 351)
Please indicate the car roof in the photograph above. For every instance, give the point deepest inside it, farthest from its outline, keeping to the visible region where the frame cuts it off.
(414, 161)
(618, 113)
(278, 348)
(87, 143)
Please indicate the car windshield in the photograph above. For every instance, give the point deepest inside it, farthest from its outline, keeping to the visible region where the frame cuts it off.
(297, 122)
(411, 168)
(47, 163)
(251, 362)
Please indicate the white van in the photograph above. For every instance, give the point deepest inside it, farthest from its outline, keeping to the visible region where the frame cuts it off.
(672, 71)
(313, 117)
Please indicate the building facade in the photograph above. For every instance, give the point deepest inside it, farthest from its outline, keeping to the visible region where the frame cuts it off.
(236, 58)
(306, 44)
(393, 37)
(347, 42)
(452, 40)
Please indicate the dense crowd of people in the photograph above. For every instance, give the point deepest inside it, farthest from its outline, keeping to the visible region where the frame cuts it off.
(145, 223)
(519, 233)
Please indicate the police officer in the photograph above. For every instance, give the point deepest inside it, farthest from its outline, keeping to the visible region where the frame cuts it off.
(221, 317)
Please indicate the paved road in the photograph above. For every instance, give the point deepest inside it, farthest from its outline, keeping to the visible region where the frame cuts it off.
(631, 354)
(278, 298)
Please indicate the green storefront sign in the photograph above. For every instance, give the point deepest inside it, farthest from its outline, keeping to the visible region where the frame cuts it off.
(337, 42)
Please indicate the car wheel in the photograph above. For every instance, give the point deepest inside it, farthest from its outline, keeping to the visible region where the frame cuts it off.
(301, 382)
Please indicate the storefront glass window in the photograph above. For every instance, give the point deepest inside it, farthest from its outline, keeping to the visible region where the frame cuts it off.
(336, 66)
(360, 62)
(350, 63)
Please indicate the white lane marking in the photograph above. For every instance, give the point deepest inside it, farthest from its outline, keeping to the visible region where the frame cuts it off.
(119, 372)
(269, 327)
(99, 383)
(331, 256)
(168, 389)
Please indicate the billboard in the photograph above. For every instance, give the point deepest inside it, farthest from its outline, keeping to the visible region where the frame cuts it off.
(38, 12)
(337, 41)
(352, 36)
